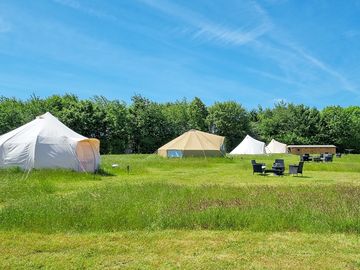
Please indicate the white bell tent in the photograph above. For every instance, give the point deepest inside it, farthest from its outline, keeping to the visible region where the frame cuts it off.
(47, 143)
(249, 146)
(275, 147)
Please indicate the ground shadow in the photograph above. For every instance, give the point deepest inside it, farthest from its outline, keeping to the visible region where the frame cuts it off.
(103, 172)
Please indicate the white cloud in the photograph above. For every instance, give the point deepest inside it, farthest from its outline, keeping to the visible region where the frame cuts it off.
(213, 31)
(347, 85)
(86, 9)
(275, 77)
(300, 67)
(305, 67)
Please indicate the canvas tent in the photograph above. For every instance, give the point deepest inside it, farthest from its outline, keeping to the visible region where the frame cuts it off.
(194, 143)
(249, 146)
(47, 143)
(275, 147)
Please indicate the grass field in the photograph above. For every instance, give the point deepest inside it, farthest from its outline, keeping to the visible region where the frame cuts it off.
(182, 213)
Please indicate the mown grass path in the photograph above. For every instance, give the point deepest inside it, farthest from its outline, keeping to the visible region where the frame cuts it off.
(179, 250)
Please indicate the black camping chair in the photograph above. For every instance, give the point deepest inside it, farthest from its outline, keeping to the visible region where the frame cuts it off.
(328, 158)
(279, 167)
(305, 157)
(296, 169)
(254, 162)
(280, 161)
(257, 167)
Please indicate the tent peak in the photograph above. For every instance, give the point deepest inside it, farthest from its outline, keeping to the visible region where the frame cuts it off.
(252, 138)
(45, 115)
(276, 147)
(249, 145)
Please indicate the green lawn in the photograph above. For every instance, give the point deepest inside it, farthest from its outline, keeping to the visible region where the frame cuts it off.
(179, 250)
(182, 213)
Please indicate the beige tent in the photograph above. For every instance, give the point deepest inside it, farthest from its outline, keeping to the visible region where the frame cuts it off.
(194, 143)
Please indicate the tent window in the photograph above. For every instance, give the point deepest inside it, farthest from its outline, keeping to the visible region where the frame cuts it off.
(174, 153)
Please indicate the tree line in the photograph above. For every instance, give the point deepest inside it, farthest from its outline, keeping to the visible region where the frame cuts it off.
(144, 125)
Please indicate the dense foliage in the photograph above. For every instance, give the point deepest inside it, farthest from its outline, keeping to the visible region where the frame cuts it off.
(144, 125)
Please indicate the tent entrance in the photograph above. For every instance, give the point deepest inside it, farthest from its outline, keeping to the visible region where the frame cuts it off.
(86, 156)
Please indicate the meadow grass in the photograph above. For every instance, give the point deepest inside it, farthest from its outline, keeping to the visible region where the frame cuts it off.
(194, 193)
(179, 250)
(162, 206)
(216, 198)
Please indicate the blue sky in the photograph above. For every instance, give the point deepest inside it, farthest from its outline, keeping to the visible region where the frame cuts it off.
(254, 52)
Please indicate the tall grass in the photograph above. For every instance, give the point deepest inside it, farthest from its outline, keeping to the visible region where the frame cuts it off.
(161, 206)
(192, 193)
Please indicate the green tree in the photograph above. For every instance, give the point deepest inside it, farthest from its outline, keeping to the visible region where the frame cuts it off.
(353, 113)
(89, 119)
(146, 125)
(116, 131)
(149, 127)
(56, 104)
(289, 123)
(12, 114)
(197, 114)
(177, 115)
(336, 127)
(35, 106)
(229, 119)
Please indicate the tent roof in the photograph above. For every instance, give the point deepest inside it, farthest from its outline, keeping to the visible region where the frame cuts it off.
(195, 140)
(276, 147)
(45, 128)
(249, 146)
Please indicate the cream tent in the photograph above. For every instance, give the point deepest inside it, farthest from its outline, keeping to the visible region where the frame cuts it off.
(47, 143)
(193, 143)
(275, 147)
(249, 146)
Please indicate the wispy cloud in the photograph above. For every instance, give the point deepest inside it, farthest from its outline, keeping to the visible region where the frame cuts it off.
(210, 30)
(86, 9)
(249, 32)
(275, 77)
(202, 27)
(296, 61)
(347, 85)
(263, 38)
